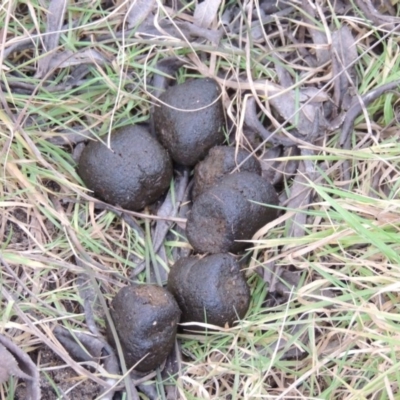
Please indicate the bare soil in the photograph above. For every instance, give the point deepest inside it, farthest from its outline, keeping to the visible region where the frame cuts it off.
(68, 385)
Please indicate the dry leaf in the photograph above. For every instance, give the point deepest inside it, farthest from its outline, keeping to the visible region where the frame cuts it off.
(181, 30)
(168, 209)
(284, 170)
(15, 362)
(88, 348)
(269, 162)
(68, 58)
(300, 196)
(9, 366)
(344, 54)
(268, 13)
(297, 106)
(80, 346)
(287, 105)
(138, 11)
(376, 17)
(167, 67)
(252, 122)
(319, 38)
(206, 12)
(55, 18)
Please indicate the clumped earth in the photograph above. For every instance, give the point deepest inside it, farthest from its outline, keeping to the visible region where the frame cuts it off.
(189, 120)
(146, 319)
(211, 289)
(133, 173)
(222, 160)
(228, 213)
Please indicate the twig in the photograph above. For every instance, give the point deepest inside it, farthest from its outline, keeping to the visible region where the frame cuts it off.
(116, 209)
(372, 14)
(356, 108)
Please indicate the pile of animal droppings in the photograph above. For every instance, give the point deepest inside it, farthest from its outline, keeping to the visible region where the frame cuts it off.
(228, 208)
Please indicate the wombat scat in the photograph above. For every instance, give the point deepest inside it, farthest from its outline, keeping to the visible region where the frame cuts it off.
(231, 211)
(133, 173)
(211, 289)
(146, 319)
(222, 160)
(189, 120)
